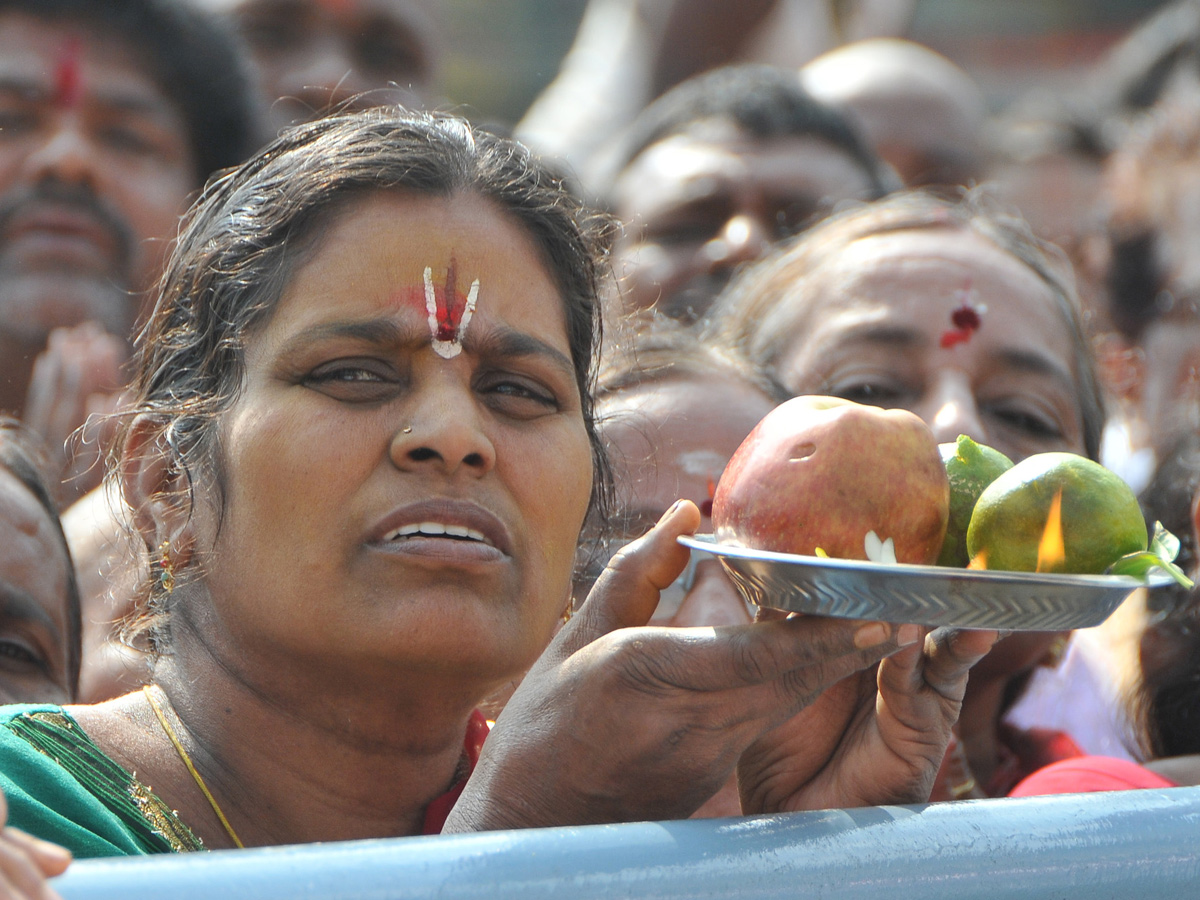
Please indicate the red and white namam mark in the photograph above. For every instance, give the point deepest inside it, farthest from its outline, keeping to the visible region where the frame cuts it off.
(967, 318)
(450, 313)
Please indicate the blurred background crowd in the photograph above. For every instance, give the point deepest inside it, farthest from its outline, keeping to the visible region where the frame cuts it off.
(716, 132)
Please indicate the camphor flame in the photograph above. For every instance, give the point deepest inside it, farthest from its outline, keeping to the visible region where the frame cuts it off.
(1052, 552)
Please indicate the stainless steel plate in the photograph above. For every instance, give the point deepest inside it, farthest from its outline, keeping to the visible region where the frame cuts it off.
(923, 595)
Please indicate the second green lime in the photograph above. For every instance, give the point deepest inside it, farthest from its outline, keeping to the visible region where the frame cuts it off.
(970, 467)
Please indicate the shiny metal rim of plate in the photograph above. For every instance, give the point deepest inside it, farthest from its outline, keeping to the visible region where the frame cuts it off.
(923, 595)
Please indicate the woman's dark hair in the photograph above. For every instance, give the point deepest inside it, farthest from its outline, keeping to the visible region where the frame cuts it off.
(22, 457)
(647, 347)
(1165, 705)
(1168, 499)
(769, 303)
(194, 58)
(249, 230)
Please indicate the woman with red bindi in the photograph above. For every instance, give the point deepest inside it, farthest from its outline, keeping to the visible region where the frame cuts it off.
(952, 310)
(353, 539)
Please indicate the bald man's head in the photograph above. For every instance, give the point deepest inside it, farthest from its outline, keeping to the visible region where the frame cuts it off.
(922, 113)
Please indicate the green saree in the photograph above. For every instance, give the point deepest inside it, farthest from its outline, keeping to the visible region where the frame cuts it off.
(61, 787)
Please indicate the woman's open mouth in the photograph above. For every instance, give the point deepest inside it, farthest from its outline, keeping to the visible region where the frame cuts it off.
(436, 529)
(446, 531)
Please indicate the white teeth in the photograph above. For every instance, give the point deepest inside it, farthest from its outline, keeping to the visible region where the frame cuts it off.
(436, 528)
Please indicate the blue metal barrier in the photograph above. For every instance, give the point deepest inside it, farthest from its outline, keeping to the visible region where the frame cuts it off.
(1139, 844)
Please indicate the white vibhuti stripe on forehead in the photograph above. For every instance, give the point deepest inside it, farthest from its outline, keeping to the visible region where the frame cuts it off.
(472, 296)
(431, 304)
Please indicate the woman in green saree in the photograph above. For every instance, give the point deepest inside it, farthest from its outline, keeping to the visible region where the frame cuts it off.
(359, 454)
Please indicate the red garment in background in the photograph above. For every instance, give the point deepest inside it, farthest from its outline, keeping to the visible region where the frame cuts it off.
(1088, 774)
(1025, 750)
(439, 810)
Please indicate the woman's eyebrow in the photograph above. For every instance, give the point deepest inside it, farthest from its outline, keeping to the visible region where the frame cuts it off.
(381, 331)
(17, 603)
(1034, 363)
(501, 341)
(884, 334)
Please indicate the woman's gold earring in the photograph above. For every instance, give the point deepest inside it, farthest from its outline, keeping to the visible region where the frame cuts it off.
(569, 611)
(167, 577)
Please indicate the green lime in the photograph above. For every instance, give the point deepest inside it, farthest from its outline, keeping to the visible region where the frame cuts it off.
(1099, 514)
(970, 467)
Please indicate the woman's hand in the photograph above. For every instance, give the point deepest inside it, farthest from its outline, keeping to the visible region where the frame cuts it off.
(26, 862)
(876, 737)
(619, 723)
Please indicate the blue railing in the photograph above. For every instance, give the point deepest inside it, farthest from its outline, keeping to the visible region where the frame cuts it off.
(1135, 844)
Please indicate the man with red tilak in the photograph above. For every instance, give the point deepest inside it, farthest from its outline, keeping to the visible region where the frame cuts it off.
(112, 115)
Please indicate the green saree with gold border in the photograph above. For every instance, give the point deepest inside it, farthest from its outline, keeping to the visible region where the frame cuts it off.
(61, 787)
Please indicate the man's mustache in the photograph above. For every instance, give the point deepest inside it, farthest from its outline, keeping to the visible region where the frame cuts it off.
(80, 198)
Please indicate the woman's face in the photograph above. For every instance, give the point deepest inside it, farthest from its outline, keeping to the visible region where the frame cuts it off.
(387, 505)
(887, 328)
(672, 439)
(33, 600)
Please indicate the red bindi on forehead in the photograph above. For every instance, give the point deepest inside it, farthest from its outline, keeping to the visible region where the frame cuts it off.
(967, 318)
(68, 73)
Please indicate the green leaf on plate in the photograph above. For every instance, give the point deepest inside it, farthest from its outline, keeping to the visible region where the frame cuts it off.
(1164, 547)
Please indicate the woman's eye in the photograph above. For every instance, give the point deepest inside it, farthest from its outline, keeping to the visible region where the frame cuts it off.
(870, 393)
(520, 391)
(14, 653)
(353, 382)
(348, 375)
(1034, 424)
(518, 397)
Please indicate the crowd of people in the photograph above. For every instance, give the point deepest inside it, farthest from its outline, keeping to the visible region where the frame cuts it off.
(349, 440)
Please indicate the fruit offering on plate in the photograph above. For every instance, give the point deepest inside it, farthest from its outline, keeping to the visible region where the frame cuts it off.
(1064, 513)
(826, 476)
(970, 467)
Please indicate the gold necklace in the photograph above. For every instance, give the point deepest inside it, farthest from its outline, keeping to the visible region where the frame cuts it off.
(187, 761)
